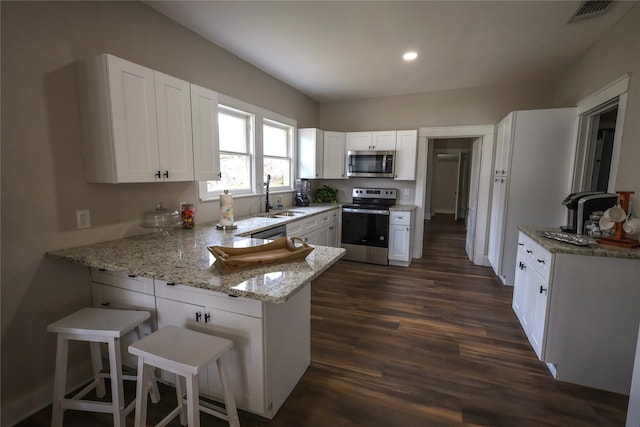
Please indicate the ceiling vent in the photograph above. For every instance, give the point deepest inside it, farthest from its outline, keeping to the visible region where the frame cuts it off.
(591, 9)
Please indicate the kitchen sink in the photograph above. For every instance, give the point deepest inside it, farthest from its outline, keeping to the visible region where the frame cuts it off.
(288, 213)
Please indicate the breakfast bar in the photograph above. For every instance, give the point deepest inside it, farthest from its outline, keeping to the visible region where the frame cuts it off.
(264, 310)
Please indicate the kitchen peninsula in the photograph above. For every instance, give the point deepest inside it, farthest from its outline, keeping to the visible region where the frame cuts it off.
(265, 310)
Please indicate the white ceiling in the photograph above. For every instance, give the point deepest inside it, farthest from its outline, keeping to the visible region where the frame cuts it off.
(338, 50)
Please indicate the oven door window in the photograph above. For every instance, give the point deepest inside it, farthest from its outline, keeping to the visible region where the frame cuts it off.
(365, 229)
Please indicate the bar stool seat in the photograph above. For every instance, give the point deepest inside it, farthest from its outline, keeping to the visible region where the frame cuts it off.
(187, 354)
(96, 325)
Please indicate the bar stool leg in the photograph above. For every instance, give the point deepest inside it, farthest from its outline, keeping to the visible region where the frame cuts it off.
(193, 401)
(60, 380)
(229, 400)
(96, 362)
(117, 392)
(180, 386)
(141, 392)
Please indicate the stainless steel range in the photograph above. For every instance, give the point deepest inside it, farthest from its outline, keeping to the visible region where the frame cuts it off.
(365, 225)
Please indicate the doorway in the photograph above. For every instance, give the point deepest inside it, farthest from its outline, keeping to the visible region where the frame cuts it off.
(450, 179)
(481, 161)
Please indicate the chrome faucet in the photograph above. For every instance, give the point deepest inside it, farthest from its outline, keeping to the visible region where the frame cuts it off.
(267, 205)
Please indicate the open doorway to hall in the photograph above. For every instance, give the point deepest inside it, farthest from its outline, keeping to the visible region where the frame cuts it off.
(451, 178)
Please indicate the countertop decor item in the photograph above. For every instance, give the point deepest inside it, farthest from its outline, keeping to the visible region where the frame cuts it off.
(620, 238)
(326, 194)
(161, 218)
(281, 250)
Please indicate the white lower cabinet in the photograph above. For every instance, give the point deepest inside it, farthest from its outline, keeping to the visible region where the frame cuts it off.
(321, 229)
(400, 237)
(245, 358)
(580, 313)
(113, 290)
(271, 342)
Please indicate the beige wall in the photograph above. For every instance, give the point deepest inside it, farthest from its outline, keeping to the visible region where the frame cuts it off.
(42, 169)
(616, 54)
(459, 107)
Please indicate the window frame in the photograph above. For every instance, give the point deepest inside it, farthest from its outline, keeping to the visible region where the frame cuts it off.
(260, 115)
(290, 131)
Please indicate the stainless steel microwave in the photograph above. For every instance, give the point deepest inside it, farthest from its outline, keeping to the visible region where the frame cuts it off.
(374, 164)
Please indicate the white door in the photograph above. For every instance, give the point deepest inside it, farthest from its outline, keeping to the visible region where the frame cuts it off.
(474, 183)
(335, 157)
(384, 140)
(206, 146)
(406, 154)
(245, 358)
(399, 242)
(497, 224)
(173, 105)
(462, 186)
(134, 123)
(359, 141)
(539, 322)
(184, 315)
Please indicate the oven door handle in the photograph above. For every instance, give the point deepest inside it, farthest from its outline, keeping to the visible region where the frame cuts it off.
(366, 211)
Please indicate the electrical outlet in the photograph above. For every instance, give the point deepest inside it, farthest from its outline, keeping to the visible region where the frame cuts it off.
(83, 219)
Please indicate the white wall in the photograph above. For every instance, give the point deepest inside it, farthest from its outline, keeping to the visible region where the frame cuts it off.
(42, 169)
(616, 54)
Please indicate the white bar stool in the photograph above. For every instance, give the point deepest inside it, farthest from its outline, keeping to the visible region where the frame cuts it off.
(96, 325)
(185, 353)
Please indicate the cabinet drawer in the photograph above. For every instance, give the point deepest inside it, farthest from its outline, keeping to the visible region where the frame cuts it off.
(204, 297)
(122, 280)
(400, 218)
(539, 258)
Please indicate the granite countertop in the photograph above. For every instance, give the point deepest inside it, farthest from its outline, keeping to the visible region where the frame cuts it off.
(182, 257)
(556, 246)
(402, 207)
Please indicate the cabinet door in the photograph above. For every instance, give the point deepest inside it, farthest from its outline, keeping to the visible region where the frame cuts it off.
(245, 358)
(134, 124)
(496, 231)
(359, 141)
(539, 322)
(529, 299)
(334, 156)
(105, 296)
(310, 153)
(503, 145)
(399, 242)
(383, 140)
(175, 145)
(519, 284)
(322, 236)
(184, 315)
(406, 154)
(204, 122)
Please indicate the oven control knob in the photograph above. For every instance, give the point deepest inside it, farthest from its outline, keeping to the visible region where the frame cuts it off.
(381, 237)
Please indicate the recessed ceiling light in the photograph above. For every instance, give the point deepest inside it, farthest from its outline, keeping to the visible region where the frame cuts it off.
(410, 56)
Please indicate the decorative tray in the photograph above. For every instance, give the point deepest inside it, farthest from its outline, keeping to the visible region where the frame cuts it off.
(567, 238)
(278, 251)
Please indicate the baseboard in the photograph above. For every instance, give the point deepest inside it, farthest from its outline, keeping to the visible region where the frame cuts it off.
(445, 211)
(23, 407)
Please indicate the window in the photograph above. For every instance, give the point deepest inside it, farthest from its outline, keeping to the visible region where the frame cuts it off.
(277, 153)
(235, 136)
(254, 143)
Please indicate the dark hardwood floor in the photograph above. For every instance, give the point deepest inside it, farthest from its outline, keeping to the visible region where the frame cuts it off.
(435, 344)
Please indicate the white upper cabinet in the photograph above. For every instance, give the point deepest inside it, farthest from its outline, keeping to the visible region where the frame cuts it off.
(503, 146)
(206, 145)
(334, 156)
(321, 154)
(363, 141)
(173, 111)
(136, 123)
(310, 153)
(406, 154)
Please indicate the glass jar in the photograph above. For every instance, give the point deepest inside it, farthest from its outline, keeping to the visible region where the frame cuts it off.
(188, 215)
